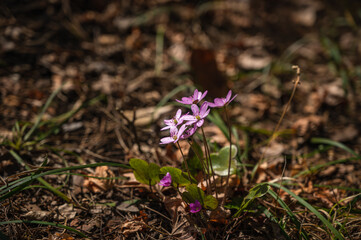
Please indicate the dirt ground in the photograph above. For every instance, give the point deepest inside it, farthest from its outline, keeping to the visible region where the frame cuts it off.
(121, 65)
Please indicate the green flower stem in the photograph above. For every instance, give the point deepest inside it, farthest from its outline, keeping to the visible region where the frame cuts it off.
(230, 156)
(208, 158)
(185, 162)
(205, 171)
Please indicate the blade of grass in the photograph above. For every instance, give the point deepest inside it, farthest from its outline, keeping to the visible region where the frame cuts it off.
(334, 231)
(38, 119)
(19, 184)
(290, 213)
(41, 180)
(272, 218)
(335, 144)
(48, 224)
(319, 166)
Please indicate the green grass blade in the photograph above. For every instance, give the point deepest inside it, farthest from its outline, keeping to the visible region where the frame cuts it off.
(290, 213)
(41, 180)
(48, 224)
(272, 218)
(319, 166)
(38, 119)
(335, 144)
(19, 184)
(334, 231)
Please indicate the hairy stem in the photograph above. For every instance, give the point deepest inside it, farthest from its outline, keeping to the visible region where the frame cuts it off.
(205, 170)
(185, 162)
(230, 156)
(208, 158)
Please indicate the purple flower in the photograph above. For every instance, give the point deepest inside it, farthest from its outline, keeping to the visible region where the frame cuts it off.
(195, 207)
(166, 181)
(198, 114)
(194, 99)
(189, 131)
(174, 135)
(221, 102)
(175, 121)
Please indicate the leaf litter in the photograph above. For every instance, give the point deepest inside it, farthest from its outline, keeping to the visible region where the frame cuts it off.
(108, 49)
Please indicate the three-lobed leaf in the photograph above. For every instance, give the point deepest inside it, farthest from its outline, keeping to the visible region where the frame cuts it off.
(220, 160)
(179, 178)
(194, 193)
(144, 172)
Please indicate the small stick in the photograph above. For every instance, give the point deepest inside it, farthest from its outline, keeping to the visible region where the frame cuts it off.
(274, 135)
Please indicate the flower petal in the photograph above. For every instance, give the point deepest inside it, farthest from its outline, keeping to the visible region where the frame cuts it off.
(195, 95)
(166, 140)
(203, 95)
(178, 114)
(200, 123)
(229, 94)
(219, 102)
(195, 109)
(203, 108)
(232, 98)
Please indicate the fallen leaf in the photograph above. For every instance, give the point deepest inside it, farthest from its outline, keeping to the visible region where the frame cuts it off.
(99, 185)
(345, 134)
(131, 226)
(254, 59)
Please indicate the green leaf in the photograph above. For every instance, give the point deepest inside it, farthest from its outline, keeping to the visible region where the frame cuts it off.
(144, 172)
(193, 193)
(210, 202)
(153, 171)
(256, 192)
(178, 177)
(140, 168)
(220, 161)
(193, 160)
(224, 152)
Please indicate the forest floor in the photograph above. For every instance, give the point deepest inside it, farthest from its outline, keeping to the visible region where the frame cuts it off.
(112, 70)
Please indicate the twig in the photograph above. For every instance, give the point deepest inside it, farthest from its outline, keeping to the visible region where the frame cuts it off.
(274, 135)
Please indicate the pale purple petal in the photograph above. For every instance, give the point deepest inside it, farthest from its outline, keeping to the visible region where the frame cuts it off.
(168, 121)
(166, 180)
(203, 95)
(189, 118)
(173, 131)
(229, 95)
(212, 105)
(165, 128)
(166, 140)
(185, 100)
(195, 109)
(200, 123)
(206, 113)
(219, 102)
(195, 207)
(195, 95)
(181, 130)
(232, 98)
(189, 131)
(203, 108)
(178, 114)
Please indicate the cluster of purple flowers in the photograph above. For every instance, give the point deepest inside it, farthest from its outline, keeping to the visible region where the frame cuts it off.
(184, 126)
